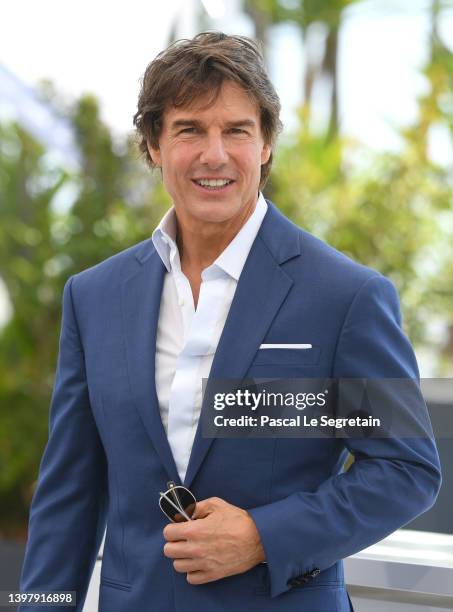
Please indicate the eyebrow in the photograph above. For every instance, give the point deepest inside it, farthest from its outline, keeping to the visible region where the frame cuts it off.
(178, 123)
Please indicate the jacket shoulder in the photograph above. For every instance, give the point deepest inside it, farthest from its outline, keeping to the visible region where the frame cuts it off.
(333, 263)
(314, 260)
(115, 268)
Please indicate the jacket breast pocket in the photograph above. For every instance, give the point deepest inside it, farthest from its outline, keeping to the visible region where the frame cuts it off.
(284, 357)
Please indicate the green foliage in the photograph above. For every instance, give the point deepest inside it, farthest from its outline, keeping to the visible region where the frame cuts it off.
(41, 245)
(301, 12)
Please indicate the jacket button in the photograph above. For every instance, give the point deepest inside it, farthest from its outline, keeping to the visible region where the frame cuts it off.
(315, 572)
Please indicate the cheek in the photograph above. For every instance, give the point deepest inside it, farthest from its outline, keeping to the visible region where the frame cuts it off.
(177, 158)
(253, 164)
(246, 157)
(175, 171)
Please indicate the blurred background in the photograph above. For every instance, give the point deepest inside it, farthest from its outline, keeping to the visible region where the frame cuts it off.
(365, 162)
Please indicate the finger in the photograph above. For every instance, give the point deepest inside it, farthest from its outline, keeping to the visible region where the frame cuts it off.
(177, 550)
(199, 577)
(188, 565)
(176, 531)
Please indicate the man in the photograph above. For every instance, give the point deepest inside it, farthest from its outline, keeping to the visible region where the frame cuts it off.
(224, 274)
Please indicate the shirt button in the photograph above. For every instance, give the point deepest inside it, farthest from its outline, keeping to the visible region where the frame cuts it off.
(181, 302)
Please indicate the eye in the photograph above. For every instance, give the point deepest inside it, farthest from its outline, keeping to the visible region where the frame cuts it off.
(189, 130)
(237, 131)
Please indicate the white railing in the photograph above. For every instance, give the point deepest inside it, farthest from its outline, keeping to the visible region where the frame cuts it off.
(409, 571)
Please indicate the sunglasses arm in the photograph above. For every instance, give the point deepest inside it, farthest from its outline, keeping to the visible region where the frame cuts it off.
(180, 510)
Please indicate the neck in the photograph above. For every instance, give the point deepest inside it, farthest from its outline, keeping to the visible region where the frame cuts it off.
(200, 243)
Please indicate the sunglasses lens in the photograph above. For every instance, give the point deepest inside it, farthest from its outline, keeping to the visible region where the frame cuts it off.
(183, 499)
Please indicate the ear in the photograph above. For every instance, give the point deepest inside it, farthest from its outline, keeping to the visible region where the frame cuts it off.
(265, 154)
(155, 155)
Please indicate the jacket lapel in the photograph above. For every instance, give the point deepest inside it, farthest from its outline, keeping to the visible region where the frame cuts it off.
(141, 295)
(262, 287)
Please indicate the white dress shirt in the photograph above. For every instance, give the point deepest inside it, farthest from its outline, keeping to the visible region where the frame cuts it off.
(187, 338)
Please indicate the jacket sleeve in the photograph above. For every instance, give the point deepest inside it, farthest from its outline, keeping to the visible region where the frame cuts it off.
(392, 479)
(68, 510)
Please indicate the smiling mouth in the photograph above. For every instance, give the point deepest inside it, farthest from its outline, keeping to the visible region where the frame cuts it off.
(213, 184)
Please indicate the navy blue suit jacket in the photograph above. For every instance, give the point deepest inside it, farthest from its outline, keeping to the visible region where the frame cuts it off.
(107, 456)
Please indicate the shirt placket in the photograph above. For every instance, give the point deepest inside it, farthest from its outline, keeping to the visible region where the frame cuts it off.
(199, 329)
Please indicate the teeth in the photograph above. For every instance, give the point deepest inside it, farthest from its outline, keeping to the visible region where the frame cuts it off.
(213, 182)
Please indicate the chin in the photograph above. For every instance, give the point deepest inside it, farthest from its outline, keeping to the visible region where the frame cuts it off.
(213, 217)
(213, 213)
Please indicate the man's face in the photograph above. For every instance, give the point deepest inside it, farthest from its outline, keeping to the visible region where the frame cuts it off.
(223, 143)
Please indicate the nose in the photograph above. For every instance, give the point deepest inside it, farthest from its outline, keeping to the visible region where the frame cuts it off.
(214, 154)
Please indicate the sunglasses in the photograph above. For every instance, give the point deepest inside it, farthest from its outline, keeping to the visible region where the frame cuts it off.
(177, 503)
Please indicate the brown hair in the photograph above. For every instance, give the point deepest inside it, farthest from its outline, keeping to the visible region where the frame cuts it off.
(192, 68)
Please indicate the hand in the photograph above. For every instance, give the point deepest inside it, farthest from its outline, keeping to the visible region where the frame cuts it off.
(222, 541)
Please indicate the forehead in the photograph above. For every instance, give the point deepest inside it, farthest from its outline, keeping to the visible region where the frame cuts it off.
(230, 102)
